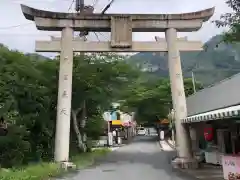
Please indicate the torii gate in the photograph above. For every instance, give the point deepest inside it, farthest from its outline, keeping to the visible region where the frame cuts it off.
(121, 27)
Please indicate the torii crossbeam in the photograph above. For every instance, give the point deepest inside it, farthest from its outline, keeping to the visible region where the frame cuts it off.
(82, 46)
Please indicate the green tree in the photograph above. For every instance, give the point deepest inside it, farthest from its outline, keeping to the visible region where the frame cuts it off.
(96, 83)
(25, 106)
(152, 101)
(188, 86)
(28, 101)
(232, 21)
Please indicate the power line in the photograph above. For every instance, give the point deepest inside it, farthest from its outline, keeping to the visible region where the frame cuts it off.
(19, 34)
(15, 26)
(103, 35)
(70, 7)
(97, 36)
(38, 1)
(13, 35)
(103, 12)
(94, 4)
(21, 25)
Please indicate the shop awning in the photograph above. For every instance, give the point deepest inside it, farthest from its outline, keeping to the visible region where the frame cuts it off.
(126, 124)
(164, 121)
(120, 123)
(116, 122)
(224, 113)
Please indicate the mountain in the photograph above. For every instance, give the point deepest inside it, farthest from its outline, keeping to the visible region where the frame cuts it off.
(217, 62)
(32, 56)
(38, 57)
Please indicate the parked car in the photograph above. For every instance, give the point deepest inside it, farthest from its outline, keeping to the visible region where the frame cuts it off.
(141, 131)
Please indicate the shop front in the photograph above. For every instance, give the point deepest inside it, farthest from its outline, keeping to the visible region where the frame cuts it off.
(230, 149)
(217, 108)
(116, 128)
(223, 139)
(221, 133)
(124, 130)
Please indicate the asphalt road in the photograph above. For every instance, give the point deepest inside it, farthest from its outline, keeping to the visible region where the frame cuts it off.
(140, 160)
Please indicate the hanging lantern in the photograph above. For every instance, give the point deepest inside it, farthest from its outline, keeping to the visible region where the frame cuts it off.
(208, 133)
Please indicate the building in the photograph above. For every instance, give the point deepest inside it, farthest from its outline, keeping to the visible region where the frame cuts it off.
(214, 121)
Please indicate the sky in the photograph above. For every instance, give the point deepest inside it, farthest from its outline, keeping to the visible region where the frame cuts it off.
(23, 37)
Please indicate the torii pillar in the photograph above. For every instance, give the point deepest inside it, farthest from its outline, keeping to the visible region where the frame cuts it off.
(121, 28)
(179, 102)
(64, 97)
(183, 141)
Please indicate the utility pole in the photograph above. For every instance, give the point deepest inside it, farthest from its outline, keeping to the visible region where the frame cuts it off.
(79, 5)
(193, 82)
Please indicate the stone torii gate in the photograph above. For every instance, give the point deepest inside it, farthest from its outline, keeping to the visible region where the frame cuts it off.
(121, 27)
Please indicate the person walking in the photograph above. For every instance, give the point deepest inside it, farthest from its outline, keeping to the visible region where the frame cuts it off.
(115, 135)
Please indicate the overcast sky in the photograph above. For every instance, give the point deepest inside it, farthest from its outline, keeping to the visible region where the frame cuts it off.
(24, 36)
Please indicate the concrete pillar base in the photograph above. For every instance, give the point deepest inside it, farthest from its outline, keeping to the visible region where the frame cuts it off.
(184, 163)
(199, 157)
(67, 166)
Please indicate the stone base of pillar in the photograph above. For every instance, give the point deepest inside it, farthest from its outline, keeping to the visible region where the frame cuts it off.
(67, 166)
(184, 163)
(199, 157)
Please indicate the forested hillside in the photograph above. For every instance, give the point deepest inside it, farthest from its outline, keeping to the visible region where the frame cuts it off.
(218, 61)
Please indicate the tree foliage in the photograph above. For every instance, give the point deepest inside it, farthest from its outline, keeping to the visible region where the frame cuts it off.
(231, 20)
(28, 100)
(152, 101)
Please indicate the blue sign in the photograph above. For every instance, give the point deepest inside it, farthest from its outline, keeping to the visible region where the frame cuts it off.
(114, 116)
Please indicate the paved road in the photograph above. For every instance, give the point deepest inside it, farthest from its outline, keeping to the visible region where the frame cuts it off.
(141, 160)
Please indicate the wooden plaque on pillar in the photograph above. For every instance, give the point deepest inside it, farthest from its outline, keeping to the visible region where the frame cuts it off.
(121, 32)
